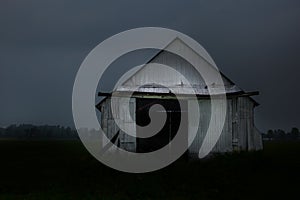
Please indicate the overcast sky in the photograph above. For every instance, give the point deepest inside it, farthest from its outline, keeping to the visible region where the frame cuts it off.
(256, 43)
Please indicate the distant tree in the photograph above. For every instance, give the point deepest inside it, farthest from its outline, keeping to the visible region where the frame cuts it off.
(295, 133)
(270, 134)
(68, 132)
(2, 132)
(32, 131)
(11, 131)
(279, 134)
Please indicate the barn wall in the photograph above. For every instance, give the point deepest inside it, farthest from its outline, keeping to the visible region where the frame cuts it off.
(110, 127)
(224, 143)
(248, 137)
(239, 132)
(202, 125)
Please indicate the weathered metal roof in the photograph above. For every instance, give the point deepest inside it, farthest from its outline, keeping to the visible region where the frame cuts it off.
(177, 89)
(183, 80)
(158, 80)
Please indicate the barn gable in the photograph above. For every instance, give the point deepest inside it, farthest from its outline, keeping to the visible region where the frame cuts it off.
(149, 73)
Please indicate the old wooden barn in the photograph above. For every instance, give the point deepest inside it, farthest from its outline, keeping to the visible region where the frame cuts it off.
(239, 132)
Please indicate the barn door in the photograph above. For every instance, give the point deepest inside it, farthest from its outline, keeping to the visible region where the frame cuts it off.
(170, 128)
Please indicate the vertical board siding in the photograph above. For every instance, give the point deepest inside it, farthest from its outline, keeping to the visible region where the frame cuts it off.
(110, 127)
(239, 131)
(205, 112)
(224, 143)
(235, 126)
(249, 137)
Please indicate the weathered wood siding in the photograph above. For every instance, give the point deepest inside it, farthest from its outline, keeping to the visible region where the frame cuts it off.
(239, 132)
(110, 127)
(224, 143)
(247, 135)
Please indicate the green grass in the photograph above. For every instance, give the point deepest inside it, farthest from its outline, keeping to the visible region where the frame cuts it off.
(65, 170)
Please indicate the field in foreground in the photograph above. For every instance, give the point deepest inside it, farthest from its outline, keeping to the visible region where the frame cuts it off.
(65, 170)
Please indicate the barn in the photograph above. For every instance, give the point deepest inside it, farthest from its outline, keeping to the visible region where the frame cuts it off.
(239, 132)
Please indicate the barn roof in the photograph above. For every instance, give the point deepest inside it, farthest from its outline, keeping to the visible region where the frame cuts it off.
(147, 79)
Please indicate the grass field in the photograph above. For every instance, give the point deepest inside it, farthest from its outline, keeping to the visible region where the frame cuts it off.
(65, 170)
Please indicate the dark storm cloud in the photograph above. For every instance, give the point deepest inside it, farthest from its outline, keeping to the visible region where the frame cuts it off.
(255, 43)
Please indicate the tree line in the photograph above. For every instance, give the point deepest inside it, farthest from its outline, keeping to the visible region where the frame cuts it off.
(47, 131)
(279, 134)
(28, 131)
